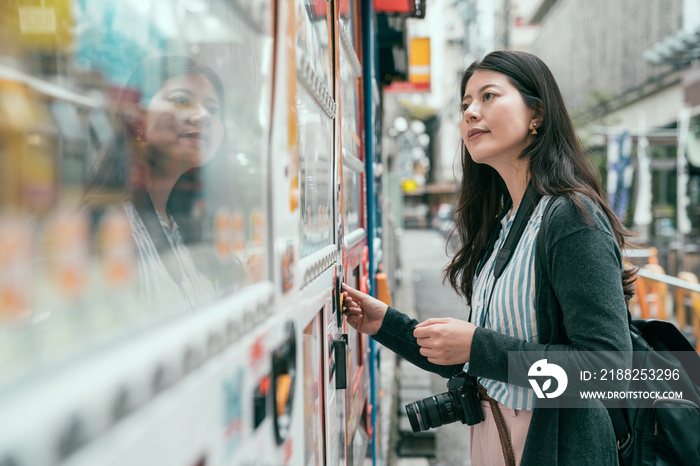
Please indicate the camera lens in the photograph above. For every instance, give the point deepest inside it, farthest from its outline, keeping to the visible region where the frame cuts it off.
(413, 410)
(430, 412)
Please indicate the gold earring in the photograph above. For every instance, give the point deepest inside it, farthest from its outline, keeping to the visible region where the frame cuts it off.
(534, 128)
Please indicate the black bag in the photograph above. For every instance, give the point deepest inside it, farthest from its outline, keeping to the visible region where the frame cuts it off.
(663, 432)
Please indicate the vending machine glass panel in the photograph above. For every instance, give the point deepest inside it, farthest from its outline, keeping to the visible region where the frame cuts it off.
(133, 161)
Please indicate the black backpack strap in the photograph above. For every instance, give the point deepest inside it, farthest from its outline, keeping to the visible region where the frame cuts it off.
(622, 431)
(494, 236)
(541, 245)
(489, 246)
(522, 216)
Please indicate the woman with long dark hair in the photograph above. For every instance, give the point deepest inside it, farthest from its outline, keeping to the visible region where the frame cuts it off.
(170, 129)
(532, 296)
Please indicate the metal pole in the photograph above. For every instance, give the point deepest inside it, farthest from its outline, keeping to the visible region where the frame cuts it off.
(368, 62)
(682, 200)
(506, 24)
(643, 206)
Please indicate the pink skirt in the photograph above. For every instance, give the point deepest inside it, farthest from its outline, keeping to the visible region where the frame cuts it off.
(485, 445)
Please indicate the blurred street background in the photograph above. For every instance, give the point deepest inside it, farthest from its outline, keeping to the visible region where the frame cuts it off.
(423, 295)
(630, 75)
(629, 71)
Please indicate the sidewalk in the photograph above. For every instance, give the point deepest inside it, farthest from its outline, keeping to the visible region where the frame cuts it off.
(404, 299)
(421, 294)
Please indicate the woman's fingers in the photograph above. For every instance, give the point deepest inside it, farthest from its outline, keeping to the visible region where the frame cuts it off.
(352, 292)
(355, 320)
(426, 331)
(350, 307)
(425, 342)
(350, 304)
(347, 300)
(433, 321)
(352, 310)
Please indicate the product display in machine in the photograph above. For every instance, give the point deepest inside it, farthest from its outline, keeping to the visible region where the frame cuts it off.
(315, 111)
(353, 167)
(315, 149)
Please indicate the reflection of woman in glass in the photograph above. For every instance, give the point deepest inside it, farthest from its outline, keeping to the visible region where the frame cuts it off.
(171, 116)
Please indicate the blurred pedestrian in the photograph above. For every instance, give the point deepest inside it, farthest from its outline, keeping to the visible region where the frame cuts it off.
(522, 162)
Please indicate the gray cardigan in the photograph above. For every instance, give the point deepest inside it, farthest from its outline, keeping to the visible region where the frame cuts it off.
(580, 307)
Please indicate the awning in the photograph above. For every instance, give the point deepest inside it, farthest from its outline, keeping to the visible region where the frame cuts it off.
(681, 49)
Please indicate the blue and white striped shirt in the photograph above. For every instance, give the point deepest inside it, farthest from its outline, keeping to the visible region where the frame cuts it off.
(513, 303)
(161, 295)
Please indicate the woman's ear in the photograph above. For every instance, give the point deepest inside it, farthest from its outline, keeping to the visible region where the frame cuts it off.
(137, 130)
(537, 116)
(135, 121)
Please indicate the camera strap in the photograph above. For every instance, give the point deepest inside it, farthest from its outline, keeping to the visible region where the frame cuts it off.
(527, 207)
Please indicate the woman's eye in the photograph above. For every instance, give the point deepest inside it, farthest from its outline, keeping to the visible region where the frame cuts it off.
(214, 110)
(488, 96)
(464, 107)
(180, 100)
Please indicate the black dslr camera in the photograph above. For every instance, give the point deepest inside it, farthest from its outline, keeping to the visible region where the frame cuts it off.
(461, 401)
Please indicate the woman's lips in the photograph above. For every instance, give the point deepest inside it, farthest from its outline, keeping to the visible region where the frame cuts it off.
(475, 134)
(199, 137)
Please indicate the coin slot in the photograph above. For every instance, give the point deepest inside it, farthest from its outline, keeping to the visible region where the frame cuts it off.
(283, 379)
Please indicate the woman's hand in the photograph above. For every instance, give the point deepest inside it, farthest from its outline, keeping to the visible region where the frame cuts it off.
(364, 313)
(445, 341)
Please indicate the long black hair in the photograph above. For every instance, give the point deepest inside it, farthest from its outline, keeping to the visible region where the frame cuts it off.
(558, 166)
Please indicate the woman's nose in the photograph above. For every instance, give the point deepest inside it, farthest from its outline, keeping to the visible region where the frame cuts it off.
(472, 112)
(200, 115)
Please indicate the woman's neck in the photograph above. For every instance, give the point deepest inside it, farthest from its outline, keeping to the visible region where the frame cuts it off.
(516, 178)
(159, 192)
(516, 189)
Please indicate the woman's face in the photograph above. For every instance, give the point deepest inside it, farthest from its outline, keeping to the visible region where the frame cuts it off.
(495, 122)
(183, 121)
